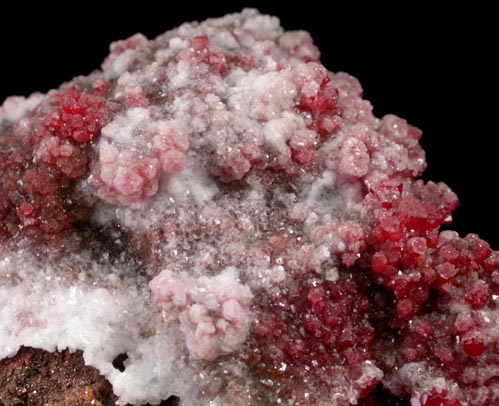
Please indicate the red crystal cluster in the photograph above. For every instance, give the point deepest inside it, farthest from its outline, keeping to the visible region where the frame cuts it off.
(41, 157)
(284, 226)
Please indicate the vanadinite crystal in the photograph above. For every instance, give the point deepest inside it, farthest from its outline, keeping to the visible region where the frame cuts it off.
(215, 216)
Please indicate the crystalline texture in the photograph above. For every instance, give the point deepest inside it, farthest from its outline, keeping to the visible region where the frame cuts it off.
(230, 215)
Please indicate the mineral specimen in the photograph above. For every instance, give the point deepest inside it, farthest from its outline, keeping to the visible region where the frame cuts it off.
(215, 216)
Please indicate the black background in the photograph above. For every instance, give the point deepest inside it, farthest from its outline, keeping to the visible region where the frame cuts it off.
(433, 66)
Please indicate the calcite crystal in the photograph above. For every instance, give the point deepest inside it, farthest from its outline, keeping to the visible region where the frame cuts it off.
(213, 215)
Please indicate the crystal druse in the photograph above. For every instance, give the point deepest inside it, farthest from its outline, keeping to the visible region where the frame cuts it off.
(229, 217)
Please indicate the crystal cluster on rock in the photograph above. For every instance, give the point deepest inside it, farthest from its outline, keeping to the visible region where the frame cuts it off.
(228, 218)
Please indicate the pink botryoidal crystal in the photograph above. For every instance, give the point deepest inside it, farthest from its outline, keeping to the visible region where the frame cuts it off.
(219, 207)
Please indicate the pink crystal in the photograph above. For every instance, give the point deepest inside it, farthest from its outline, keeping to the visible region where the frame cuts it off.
(230, 214)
